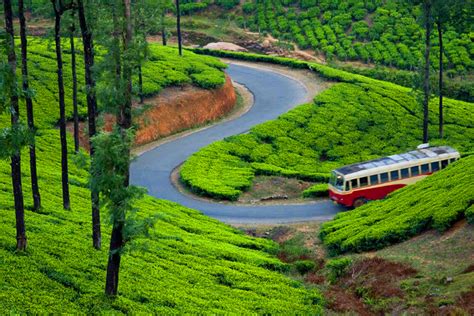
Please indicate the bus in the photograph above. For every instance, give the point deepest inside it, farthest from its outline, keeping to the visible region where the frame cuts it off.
(356, 184)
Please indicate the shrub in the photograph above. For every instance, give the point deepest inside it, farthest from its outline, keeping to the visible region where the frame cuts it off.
(318, 190)
(337, 268)
(304, 266)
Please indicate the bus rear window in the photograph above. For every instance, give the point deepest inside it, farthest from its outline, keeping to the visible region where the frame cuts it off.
(394, 175)
(405, 173)
(434, 166)
(415, 171)
(384, 177)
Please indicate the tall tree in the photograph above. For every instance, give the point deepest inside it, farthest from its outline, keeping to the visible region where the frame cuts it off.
(178, 28)
(29, 106)
(72, 30)
(88, 44)
(124, 122)
(15, 118)
(58, 11)
(428, 25)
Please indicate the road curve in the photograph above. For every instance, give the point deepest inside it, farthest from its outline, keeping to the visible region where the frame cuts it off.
(274, 94)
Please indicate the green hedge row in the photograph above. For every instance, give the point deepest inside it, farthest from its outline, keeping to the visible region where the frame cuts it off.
(433, 203)
(356, 120)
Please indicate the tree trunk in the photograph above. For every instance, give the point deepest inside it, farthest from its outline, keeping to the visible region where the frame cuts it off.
(426, 79)
(113, 265)
(178, 27)
(15, 116)
(62, 107)
(91, 114)
(74, 85)
(163, 28)
(29, 107)
(140, 84)
(124, 121)
(441, 119)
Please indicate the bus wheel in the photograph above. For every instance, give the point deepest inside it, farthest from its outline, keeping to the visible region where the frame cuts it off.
(359, 202)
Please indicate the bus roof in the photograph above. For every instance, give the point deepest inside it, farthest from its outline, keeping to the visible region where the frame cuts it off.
(400, 159)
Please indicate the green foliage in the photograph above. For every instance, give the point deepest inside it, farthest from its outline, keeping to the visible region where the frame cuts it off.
(436, 202)
(12, 139)
(337, 267)
(304, 266)
(356, 120)
(318, 190)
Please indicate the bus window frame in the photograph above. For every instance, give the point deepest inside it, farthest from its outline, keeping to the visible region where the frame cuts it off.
(411, 173)
(370, 179)
(398, 175)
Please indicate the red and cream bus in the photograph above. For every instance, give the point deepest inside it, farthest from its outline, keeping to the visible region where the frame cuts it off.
(355, 184)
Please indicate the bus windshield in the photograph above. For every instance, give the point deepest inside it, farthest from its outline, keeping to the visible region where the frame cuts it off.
(337, 181)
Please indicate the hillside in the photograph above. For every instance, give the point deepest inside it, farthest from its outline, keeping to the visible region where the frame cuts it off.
(188, 263)
(437, 202)
(379, 32)
(356, 119)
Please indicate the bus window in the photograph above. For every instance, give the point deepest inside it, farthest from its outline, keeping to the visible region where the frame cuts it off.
(415, 170)
(405, 173)
(425, 168)
(354, 184)
(394, 175)
(434, 166)
(444, 164)
(374, 179)
(364, 181)
(384, 177)
(347, 186)
(452, 160)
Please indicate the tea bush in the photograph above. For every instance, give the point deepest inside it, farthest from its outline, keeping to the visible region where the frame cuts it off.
(434, 203)
(355, 120)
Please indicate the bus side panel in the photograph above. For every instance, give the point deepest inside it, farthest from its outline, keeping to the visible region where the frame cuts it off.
(375, 193)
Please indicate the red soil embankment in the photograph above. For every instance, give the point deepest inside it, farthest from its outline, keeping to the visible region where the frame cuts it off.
(175, 109)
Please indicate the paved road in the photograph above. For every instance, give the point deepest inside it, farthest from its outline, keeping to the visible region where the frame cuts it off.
(274, 94)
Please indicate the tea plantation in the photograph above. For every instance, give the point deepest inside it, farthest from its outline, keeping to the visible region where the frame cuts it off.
(356, 119)
(188, 263)
(202, 71)
(434, 203)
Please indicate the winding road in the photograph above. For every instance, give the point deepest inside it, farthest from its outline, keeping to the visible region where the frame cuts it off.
(274, 94)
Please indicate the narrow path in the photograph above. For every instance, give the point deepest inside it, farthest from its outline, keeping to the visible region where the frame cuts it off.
(274, 94)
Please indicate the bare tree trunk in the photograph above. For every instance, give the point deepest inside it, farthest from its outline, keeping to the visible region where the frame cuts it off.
(91, 115)
(441, 119)
(163, 28)
(178, 27)
(29, 107)
(15, 116)
(140, 84)
(124, 121)
(426, 79)
(62, 108)
(74, 84)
